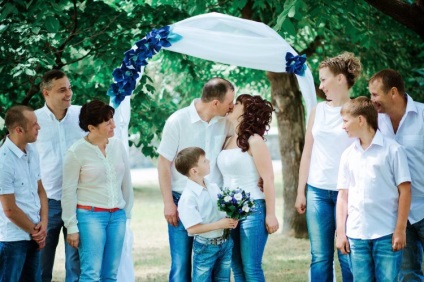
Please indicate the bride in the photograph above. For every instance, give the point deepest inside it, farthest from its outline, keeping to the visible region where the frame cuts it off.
(243, 161)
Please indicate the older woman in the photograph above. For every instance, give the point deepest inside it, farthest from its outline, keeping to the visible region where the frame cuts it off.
(244, 159)
(97, 194)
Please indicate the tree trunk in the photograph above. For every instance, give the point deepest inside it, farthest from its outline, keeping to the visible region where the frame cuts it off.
(287, 101)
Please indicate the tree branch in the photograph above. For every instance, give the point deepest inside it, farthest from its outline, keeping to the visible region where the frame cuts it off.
(61, 48)
(410, 15)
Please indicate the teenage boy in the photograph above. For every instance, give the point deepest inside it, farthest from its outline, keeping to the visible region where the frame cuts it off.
(374, 196)
(199, 214)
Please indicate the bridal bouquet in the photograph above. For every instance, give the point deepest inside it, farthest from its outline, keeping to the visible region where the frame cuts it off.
(236, 203)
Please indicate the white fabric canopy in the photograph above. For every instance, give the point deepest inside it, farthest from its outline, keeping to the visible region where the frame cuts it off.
(235, 41)
(228, 40)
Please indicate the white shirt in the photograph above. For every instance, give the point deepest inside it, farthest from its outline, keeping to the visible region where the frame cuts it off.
(185, 128)
(330, 140)
(372, 177)
(199, 205)
(410, 135)
(91, 179)
(54, 138)
(19, 175)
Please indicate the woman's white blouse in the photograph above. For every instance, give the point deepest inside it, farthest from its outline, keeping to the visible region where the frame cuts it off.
(92, 179)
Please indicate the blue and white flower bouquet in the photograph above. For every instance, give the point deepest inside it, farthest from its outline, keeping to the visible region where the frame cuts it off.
(236, 203)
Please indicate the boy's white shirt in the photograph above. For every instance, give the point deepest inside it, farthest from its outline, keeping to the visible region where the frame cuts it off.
(199, 205)
(372, 177)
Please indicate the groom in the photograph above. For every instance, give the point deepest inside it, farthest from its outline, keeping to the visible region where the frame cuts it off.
(202, 124)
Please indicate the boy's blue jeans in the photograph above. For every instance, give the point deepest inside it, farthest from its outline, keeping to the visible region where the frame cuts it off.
(212, 262)
(181, 246)
(321, 221)
(250, 238)
(374, 260)
(19, 261)
(412, 259)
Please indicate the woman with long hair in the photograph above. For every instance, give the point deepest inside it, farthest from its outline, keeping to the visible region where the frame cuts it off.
(325, 142)
(243, 161)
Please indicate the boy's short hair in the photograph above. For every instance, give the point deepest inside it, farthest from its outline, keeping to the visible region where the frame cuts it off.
(362, 106)
(187, 159)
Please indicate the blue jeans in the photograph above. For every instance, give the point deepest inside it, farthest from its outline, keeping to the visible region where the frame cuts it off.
(374, 260)
(101, 241)
(250, 238)
(411, 269)
(47, 254)
(212, 262)
(181, 246)
(321, 221)
(19, 261)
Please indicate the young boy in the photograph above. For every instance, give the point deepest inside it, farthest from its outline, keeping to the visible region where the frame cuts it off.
(199, 214)
(374, 196)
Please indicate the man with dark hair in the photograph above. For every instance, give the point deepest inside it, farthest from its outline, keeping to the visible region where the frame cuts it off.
(402, 119)
(59, 130)
(200, 125)
(23, 218)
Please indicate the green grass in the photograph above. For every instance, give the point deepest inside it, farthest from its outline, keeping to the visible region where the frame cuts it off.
(285, 258)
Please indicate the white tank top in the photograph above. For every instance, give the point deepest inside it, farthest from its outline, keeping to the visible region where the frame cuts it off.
(239, 170)
(330, 140)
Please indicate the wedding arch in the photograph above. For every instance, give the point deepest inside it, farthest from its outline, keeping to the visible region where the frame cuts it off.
(215, 37)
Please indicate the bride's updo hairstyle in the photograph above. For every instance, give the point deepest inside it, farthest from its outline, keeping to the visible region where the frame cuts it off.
(346, 64)
(255, 119)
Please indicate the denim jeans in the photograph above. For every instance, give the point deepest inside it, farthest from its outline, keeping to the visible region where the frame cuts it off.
(181, 246)
(374, 260)
(47, 254)
(19, 261)
(321, 221)
(412, 259)
(250, 238)
(101, 241)
(212, 262)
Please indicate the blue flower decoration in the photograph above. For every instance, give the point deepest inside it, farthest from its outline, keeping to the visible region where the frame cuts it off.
(125, 77)
(295, 64)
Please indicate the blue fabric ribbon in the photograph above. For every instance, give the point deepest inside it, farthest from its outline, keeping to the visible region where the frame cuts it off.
(125, 77)
(295, 64)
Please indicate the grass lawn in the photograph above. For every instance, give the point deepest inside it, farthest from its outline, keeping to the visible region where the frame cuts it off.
(285, 258)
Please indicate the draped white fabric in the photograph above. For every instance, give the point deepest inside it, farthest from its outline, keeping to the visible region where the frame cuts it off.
(234, 41)
(228, 40)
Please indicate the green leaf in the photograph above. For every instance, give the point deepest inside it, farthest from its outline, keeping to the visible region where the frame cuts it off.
(52, 24)
(3, 27)
(289, 27)
(7, 10)
(35, 29)
(292, 12)
(30, 72)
